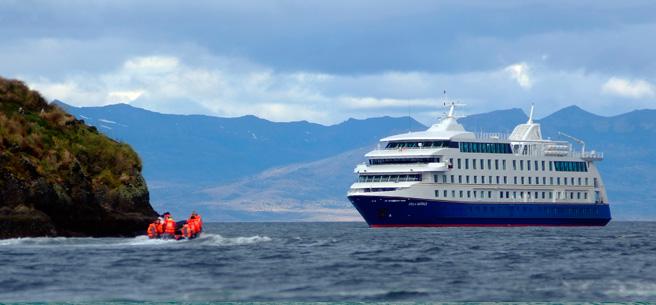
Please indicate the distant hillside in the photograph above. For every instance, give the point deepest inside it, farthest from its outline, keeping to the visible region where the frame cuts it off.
(59, 176)
(205, 149)
(248, 168)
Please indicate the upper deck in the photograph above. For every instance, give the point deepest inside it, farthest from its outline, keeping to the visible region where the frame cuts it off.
(525, 140)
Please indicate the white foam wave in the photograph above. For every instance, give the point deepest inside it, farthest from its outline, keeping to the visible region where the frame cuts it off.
(218, 240)
(633, 289)
(206, 239)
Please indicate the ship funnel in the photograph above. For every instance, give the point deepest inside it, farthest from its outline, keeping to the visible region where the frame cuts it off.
(528, 131)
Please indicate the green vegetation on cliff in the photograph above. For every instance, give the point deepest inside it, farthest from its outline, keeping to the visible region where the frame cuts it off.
(59, 176)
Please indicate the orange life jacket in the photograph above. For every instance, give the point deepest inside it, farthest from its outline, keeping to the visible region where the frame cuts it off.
(169, 226)
(199, 223)
(160, 228)
(152, 230)
(191, 223)
(186, 231)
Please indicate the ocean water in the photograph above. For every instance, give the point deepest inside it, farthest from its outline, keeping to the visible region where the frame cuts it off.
(339, 262)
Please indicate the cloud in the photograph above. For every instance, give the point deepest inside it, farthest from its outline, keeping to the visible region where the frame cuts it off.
(520, 73)
(228, 86)
(635, 89)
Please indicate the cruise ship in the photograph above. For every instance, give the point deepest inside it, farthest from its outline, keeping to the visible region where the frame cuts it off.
(447, 176)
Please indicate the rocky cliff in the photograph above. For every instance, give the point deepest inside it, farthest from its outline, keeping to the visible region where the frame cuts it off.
(60, 177)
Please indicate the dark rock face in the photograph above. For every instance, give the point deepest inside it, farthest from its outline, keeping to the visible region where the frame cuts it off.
(59, 177)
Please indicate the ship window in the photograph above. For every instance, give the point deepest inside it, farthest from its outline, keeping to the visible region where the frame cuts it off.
(389, 178)
(550, 166)
(586, 181)
(515, 195)
(475, 180)
(437, 193)
(459, 163)
(444, 193)
(501, 195)
(537, 180)
(550, 195)
(514, 180)
(514, 165)
(466, 163)
(460, 194)
(460, 179)
(503, 162)
(536, 165)
(467, 177)
(543, 195)
(536, 195)
(565, 180)
(495, 148)
(505, 179)
(507, 194)
(571, 195)
(528, 165)
(544, 180)
(572, 181)
(585, 195)
(450, 162)
(474, 163)
(453, 194)
(521, 165)
(558, 180)
(403, 161)
(444, 179)
(529, 180)
(496, 164)
(422, 144)
(578, 195)
(521, 195)
(452, 179)
(489, 164)
(570, 166)
(542, 165)
(468, 194)
(482, 163)
(498, 181)
(489, 194)
(436, 179)
(482, 179)
(579, 180)
(551, 180)
(482, 194)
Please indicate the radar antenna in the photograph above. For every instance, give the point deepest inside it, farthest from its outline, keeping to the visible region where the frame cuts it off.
(577, 140)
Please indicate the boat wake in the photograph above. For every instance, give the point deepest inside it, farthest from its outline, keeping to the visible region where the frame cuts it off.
(206, 239)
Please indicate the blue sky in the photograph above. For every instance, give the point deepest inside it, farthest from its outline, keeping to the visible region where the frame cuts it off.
(331, 60)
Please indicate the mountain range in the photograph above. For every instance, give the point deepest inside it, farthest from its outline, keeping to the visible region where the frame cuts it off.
(247, 168)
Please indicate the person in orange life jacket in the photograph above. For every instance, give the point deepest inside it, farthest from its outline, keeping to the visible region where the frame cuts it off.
(194, 223)
(193, 226)
(154, 229)
(198, 222)
(160, 225)
(169, 225)
(187, 231)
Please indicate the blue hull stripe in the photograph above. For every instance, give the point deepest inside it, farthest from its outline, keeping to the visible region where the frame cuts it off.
(380, 211)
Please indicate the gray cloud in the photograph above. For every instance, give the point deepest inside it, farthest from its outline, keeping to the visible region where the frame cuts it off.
(327, 61)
